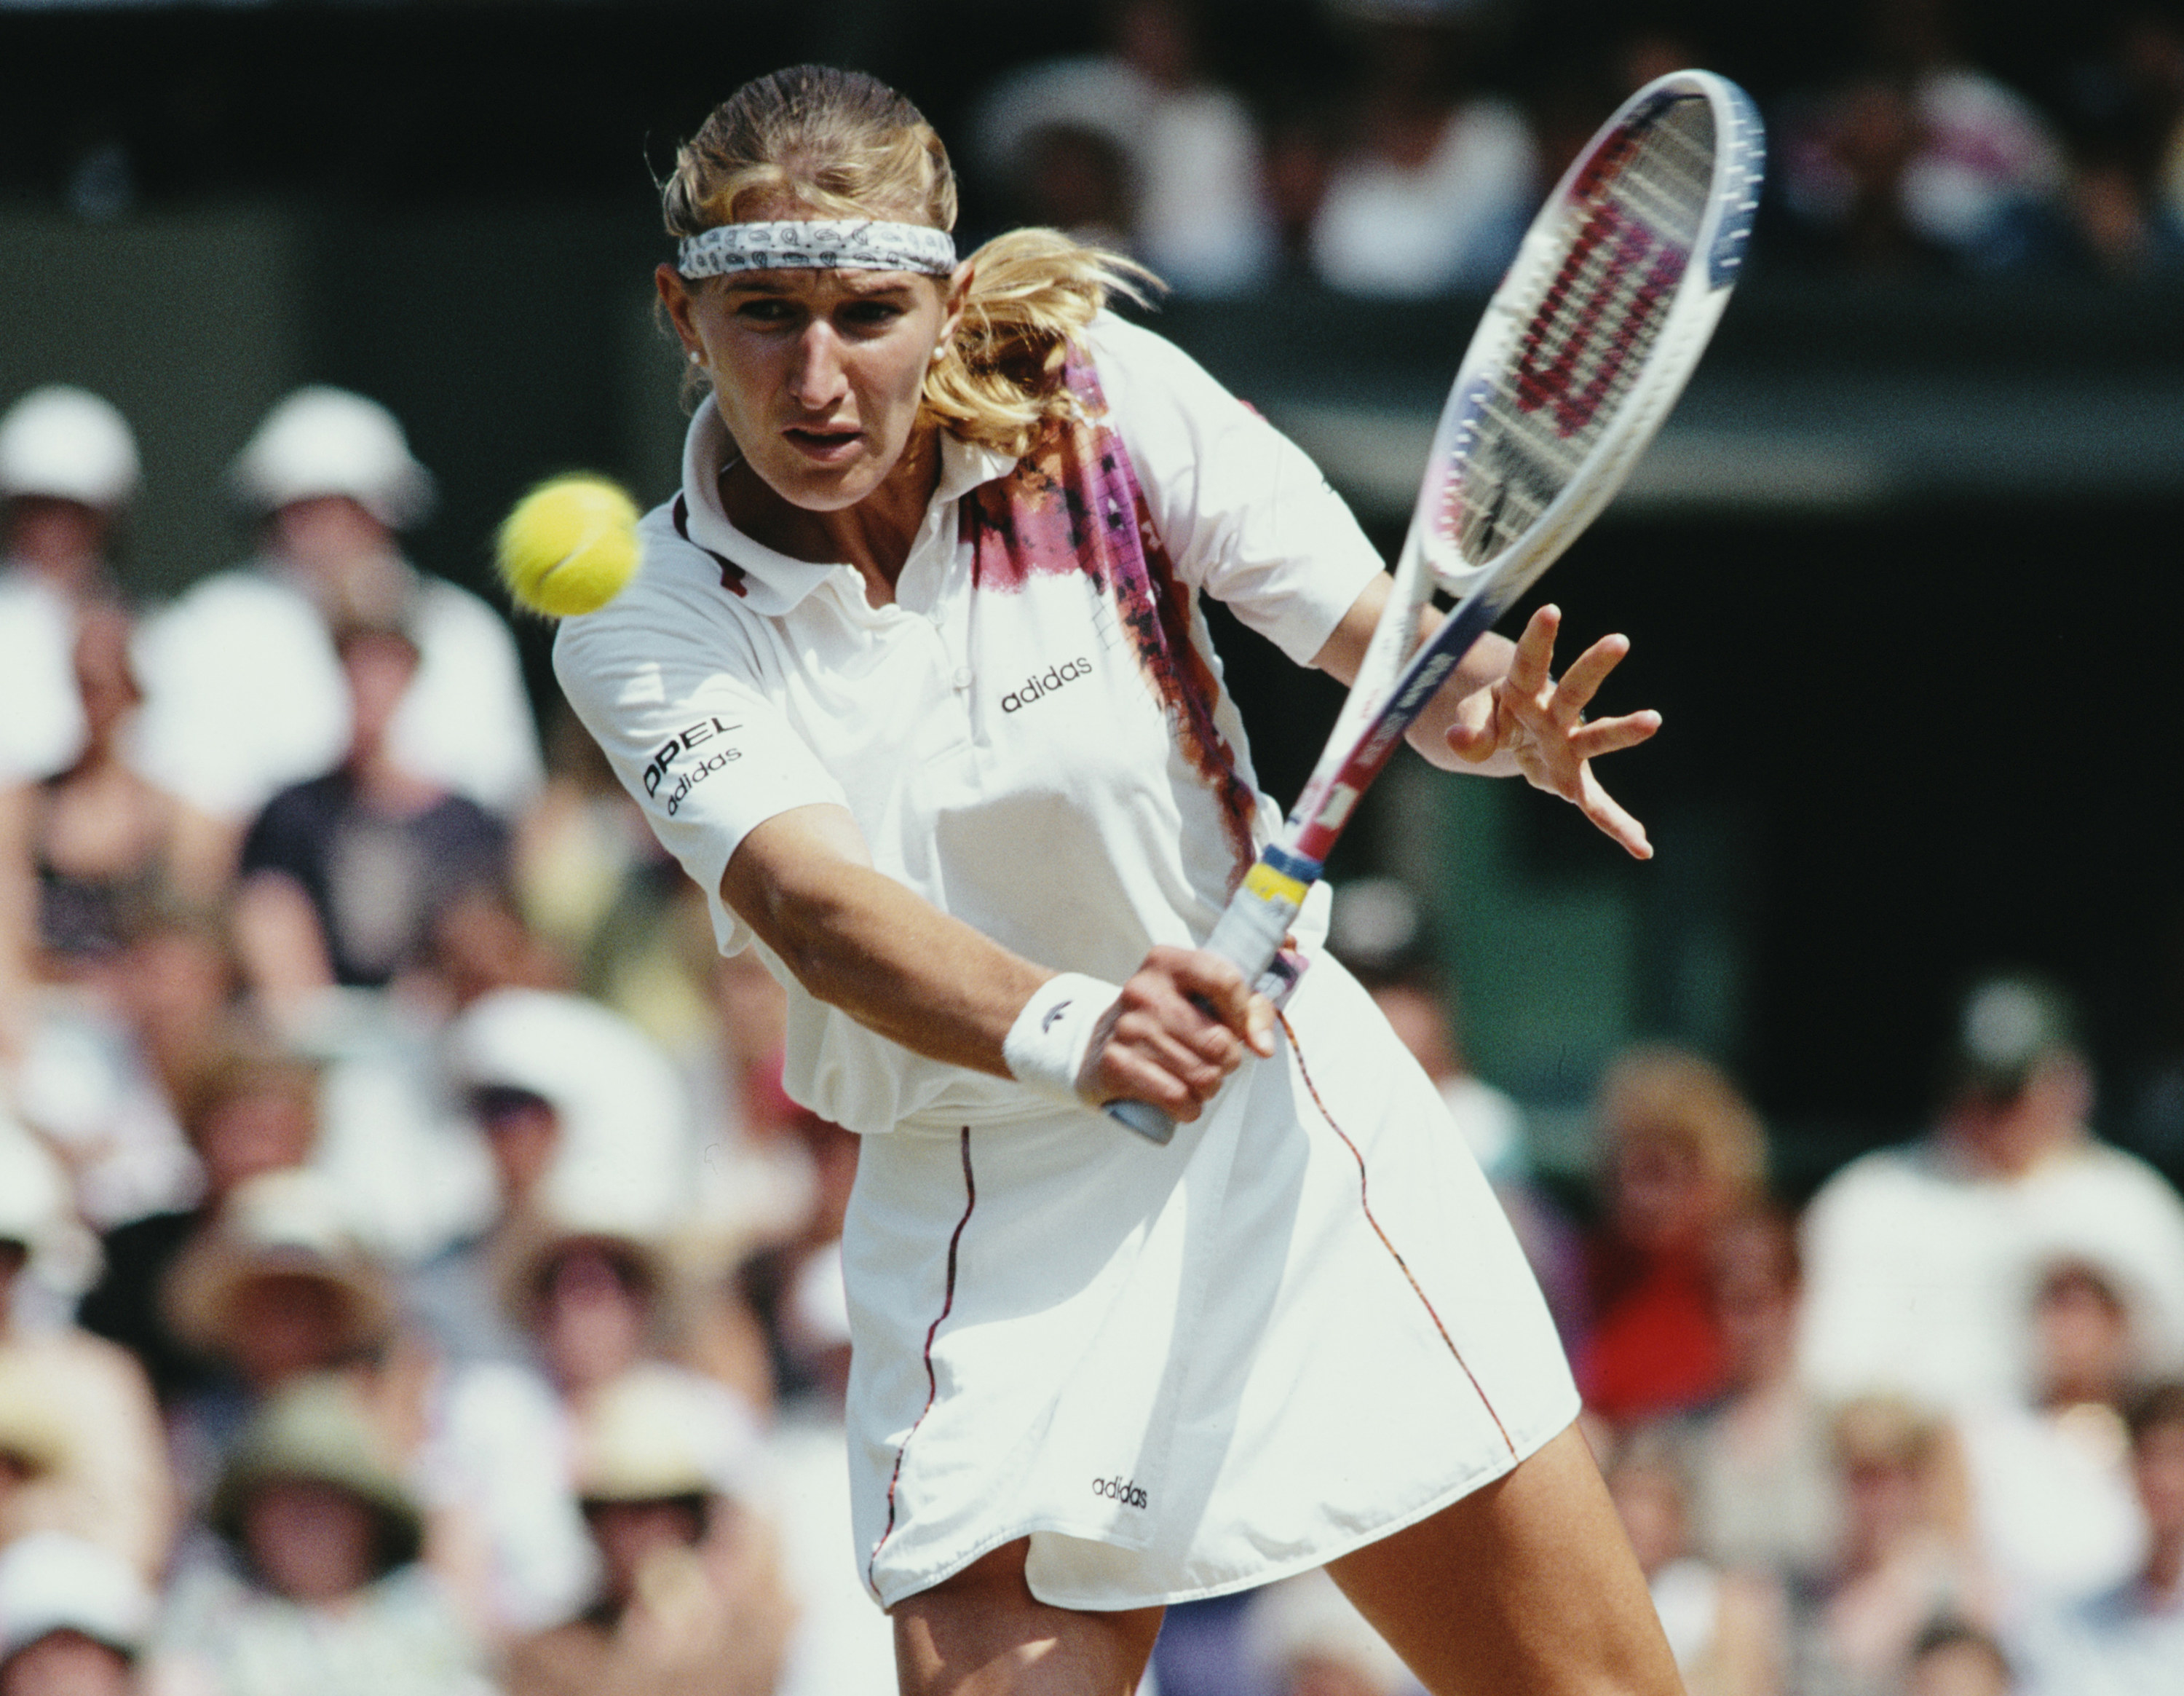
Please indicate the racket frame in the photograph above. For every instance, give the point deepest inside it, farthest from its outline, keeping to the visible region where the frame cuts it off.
(1399, 674)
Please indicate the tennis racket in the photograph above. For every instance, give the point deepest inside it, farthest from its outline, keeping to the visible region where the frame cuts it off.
(1581, 354)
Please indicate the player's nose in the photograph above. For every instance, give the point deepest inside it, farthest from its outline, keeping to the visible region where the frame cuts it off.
(816, 378)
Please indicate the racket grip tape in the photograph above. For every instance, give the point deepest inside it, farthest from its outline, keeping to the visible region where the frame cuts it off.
(1249, 936)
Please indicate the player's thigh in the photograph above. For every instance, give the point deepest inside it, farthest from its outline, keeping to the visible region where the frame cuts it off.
(983, 1633)
(1527, 1587)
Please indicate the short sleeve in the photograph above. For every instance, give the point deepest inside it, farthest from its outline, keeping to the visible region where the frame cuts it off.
(677, 704)
(1243, 511)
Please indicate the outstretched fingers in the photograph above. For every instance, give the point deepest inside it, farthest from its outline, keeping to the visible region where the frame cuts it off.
(1613, 735)
(1530, 673)
(1582, 681)
(1608, 814)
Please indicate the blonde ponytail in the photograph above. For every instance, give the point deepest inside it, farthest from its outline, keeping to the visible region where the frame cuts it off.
(1034, 293)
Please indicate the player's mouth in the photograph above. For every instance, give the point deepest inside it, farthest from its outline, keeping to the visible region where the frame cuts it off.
(824, 443)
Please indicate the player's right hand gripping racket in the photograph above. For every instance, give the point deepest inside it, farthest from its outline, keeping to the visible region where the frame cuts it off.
(1583, 350)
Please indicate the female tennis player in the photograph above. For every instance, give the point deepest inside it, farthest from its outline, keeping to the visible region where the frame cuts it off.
(913, 680)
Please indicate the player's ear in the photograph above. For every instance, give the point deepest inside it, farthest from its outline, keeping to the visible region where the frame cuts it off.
(675, 301)
(957, 297)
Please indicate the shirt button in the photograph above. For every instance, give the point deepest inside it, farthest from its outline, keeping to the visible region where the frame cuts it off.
(962, 678)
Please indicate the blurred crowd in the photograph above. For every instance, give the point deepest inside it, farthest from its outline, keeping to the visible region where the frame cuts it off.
(413, 1277)
(1410, 169)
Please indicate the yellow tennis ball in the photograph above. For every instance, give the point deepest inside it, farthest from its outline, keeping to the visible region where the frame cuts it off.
(569, 546)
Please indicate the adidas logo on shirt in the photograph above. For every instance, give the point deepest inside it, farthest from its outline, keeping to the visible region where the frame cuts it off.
(1052, 678)
(1120, 1489)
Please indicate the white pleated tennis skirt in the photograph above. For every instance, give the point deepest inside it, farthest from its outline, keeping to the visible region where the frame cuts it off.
(1180, 1371)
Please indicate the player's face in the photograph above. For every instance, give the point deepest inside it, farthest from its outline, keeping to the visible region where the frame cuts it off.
(818, 374)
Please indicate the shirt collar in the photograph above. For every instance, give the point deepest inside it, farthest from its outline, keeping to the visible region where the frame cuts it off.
(775, 582)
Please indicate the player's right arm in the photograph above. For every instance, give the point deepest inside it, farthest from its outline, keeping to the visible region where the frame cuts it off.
(855, 938)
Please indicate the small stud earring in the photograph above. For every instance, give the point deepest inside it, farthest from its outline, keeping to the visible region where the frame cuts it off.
(697, 358)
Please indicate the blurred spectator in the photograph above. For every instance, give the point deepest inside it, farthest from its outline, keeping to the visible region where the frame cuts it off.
(343, 877)
(779, 1275)
(1921, 1261)
(756, 1183)
(2050, 1479)
(1759, 1462)
(1135, 147)
(279, 1286)
(1724, 1627)
(1922, 158)
(105, 841)
(1953, 1660)
(108, 1481)
(1433, 188)
(244, 692)
(553, 1083)
(2129, 1642)
(321, 1591)
(690, 1599)
(103, 1061)
(2125, 116)
(840, 1643)
(583, 1273)
(1680, 1152)
(590, 878)
(1302, 1638)
(73, 1618)
(1904, 1562)
(246, 1110)
(68, 472)
(1376, 930)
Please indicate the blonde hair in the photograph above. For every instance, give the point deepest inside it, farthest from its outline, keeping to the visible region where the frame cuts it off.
(1674, 1095)
(845, 145)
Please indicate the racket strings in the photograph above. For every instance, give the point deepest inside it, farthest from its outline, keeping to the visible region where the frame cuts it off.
(1623, 251)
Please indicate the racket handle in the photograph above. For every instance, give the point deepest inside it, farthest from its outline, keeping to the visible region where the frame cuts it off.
(1249, 937)
(1144, 1118)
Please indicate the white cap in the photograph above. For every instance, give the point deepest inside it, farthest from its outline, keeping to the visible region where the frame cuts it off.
(51, 1582)
(326, 441)
(623, 1166)
(68, 443)
(658, 1431)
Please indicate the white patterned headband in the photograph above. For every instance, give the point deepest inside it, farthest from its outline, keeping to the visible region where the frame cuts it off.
(822, 243)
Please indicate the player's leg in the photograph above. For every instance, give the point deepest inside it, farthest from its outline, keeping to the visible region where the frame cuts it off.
(983, 1633)
(1527, 1587)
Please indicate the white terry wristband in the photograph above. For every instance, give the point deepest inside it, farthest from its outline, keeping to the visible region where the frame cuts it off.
(1045, 1048)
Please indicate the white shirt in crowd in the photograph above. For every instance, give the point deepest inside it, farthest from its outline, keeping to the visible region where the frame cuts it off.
(244, 696)
(1452, 223)
(41, 714)
(1920, 1274)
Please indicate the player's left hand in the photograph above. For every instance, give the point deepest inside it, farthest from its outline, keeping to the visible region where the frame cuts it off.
(1541, 725)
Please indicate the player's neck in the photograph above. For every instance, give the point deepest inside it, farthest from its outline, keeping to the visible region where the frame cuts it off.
(874, 537)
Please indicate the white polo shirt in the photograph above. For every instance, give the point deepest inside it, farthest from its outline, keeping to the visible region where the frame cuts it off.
(1013, 746)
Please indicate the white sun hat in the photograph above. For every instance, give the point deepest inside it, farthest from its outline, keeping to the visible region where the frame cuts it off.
(68, 443)
(323, 441)
(624, 1158)
(53, 1581)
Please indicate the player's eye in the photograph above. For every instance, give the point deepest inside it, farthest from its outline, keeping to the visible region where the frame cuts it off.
(765, 309)
(872, 315)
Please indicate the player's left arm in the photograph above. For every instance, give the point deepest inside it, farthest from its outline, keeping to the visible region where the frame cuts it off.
(1503, 713)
